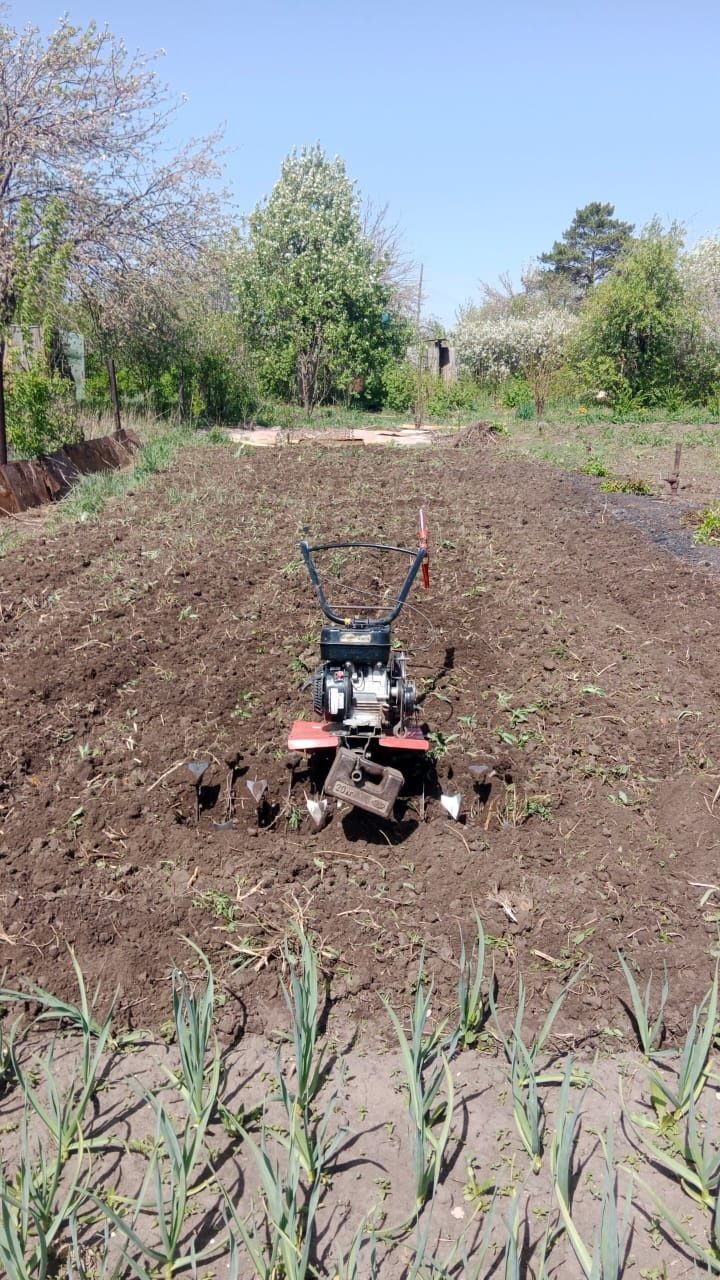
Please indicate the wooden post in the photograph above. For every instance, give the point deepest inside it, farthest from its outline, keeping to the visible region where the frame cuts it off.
(114, 395)
(3, 430)
(674, 479)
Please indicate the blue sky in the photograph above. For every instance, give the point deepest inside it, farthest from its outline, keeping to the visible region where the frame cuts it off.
(483, 126)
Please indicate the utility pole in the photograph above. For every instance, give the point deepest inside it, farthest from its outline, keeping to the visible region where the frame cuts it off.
(419, 407)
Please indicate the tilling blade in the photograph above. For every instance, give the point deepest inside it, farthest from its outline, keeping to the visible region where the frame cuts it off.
(257, 788)
(452, 805)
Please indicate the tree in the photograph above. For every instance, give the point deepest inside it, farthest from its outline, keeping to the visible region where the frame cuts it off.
(82, 122)
(700, 273)
(315, 303)
(41, 411)
(495, 343)
(177, 341)
(640, 334)
(589, 247)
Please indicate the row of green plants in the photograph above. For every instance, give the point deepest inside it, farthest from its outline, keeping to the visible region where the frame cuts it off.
(59, 1216)
(42, 412)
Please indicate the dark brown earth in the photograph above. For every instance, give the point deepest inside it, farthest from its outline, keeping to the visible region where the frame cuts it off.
(556, 641)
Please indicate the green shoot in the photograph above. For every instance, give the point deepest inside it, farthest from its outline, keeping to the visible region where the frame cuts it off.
(604, 1259)
(693, 1162)
(472, 1003)
(649, 1033)
(527, 1106)
(349, 1268)
(303, 1001)
(172, 1170)
(426, 1069)
(81, 1017)
(31, 1214)
(309, 1136)
(282, 1246)
(193, 1015)
(62, 1117)
(694, 1065)
(536, 1046)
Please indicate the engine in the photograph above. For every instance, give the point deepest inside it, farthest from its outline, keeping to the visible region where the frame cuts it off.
(361, 683)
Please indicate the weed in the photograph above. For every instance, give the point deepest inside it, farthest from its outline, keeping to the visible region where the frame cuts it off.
(538, 807)
(220, 904)
(215, 435)
(594, 467)
(8, 540)
(708, 529)
(440, 744)
(88, 498)
(618, 484)
(295, 817)
(243, 708)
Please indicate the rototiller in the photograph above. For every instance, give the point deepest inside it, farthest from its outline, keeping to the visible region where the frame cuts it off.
(361, 689)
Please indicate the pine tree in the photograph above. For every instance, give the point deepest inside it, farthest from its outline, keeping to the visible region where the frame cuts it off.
(589, 247)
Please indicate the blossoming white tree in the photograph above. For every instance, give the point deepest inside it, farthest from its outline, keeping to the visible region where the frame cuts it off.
(700, 273)
(313, 288)
(532, 339)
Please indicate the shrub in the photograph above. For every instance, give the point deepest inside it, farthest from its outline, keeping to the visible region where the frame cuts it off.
(708, 529)
(227, 391)
(440, 396)
(445, 396)
(514, 392)
(399, 386)
(41, 412)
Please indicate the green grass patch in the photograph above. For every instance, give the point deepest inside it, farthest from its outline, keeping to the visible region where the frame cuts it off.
(88, 498)
(8, 539)
(708, 530)
(594, 467)
(624, 484)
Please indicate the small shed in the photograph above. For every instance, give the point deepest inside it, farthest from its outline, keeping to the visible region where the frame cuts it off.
(438, 357)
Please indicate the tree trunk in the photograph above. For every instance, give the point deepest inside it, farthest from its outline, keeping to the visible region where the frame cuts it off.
(182, 397)
(3, 431)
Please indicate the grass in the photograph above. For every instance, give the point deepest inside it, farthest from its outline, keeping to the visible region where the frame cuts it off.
(628, 456)
(88, 498)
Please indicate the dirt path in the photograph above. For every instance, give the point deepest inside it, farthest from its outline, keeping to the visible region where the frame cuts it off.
(564, 646)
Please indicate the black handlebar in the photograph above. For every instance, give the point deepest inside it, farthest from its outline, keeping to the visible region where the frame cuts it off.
(418, 557)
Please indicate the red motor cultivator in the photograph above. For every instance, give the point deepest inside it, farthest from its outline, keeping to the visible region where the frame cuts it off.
(361, 690)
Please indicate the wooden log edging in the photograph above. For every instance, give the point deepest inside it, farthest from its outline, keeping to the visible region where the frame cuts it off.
(32, 482)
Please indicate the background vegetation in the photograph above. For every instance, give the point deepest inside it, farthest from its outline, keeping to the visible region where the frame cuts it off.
(309, 301)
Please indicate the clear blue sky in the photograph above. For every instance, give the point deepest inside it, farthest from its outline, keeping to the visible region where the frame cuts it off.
(483, 125)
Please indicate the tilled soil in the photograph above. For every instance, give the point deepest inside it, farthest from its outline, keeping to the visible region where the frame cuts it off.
(556, 642)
